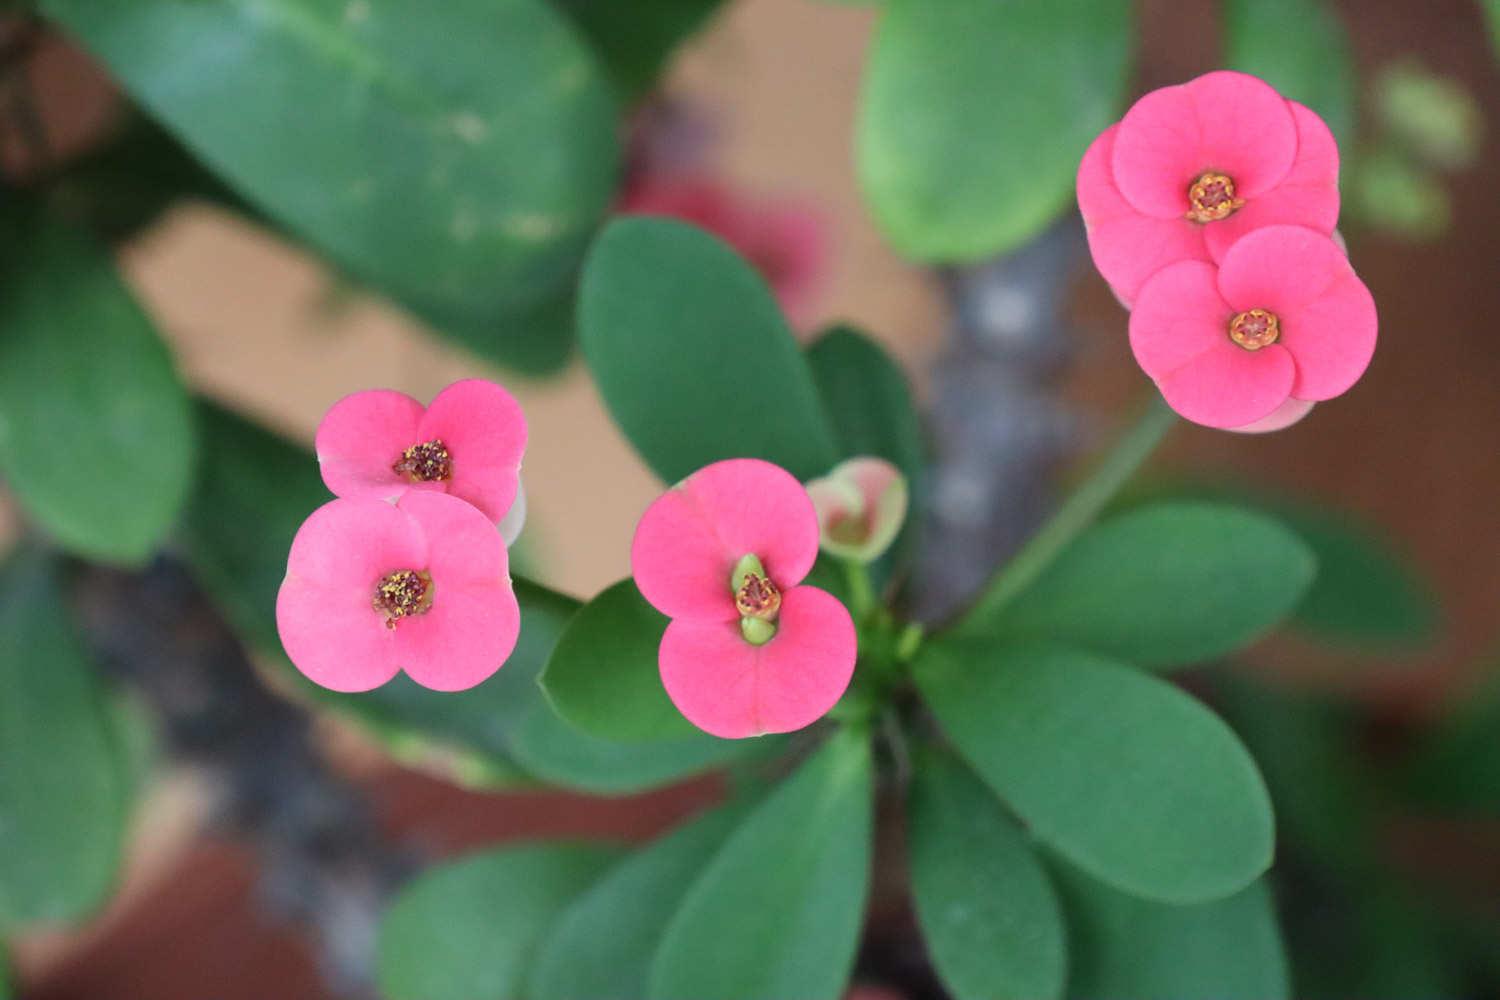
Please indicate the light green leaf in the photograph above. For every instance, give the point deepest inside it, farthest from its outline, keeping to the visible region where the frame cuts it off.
(604, 942)
(1299, 47)
(455, 155)
(778, 911)
(975, 113)
(469, 929)
(1165, 585)
(693, 356)
(1123, 774)
(64, 777)
(985, 905)
(603, 676)
(636, 40)
(1125, 948)
(96, 432)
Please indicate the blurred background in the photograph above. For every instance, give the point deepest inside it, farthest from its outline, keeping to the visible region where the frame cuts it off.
(1023, 365)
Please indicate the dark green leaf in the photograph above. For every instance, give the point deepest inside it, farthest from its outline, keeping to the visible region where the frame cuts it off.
(96, 431)
(987, 910)
(778, 911)
(455, 155)
(693, 356)
(64, 778)
(1125, 948)
(603, 677)
(636, 40)
(1300, 48)
(468, 930)
(1165, 585)
(1456, 767)
(1123, 774)
(975, 113)
(602, 946)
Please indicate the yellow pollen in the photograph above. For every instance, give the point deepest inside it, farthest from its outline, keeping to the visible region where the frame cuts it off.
(1254, 329)
(1211, 198)
(425, 463)
(401, 594)
(757, 598)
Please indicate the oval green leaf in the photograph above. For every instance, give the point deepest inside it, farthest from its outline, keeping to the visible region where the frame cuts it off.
(1299, 47)
(469, 929)
(975, 113)
(603, 677)
(96, 430)
(1165, 585)
(777, 912)
(64, 775)
(635, 41)
(455, 155)
(693, 356)
(1123, 774)
(991, 921)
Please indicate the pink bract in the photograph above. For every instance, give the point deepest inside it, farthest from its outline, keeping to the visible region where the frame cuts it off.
(861, 507)
(1134, 180)
(1180, 330)
(479, 425)
(328, 611)
(685, 553)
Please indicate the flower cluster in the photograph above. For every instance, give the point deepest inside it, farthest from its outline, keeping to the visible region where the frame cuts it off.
(1210, 210)
(407, 569)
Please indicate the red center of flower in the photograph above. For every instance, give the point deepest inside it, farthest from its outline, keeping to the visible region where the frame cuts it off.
(425, 463)
(1254, 329)
(1211, 198)
(402, 594)
(758, 598)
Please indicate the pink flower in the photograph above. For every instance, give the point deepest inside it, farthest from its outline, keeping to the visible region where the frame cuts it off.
(468, 443)
(1281, 323)
(785, 243)
(748, 651)
(372, 588)
(1192, 168)
(861, 506)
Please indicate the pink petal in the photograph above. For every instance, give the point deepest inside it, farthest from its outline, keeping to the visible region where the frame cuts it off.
(731, 689)
(1280, 268)
(1307, 196)
(1127, 246)
(1282, 417)
(361, 437)
(352, 543)
(463, 547)
(485, 431)
(861, 507)
(334, 636)
(1178, 316)
(1228, 386)
(1332, 338)
(466, 635)
(689, 539)
(1227, 122)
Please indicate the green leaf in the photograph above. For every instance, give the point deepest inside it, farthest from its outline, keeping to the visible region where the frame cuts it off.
(96, 431)
(987, 910)
(1301, 48)
(603, 676)
(1165, 585)
(64, 777)
(778, 911)
(468, 930)
(1125, 948)
(457, 155)
(1456, 767)
(693, 356)
(604, 942)
(1121, 773)
(975, 113)
(636, 40)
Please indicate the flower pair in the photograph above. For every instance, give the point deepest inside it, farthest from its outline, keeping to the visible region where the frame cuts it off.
(408, 568)
(1210, 209)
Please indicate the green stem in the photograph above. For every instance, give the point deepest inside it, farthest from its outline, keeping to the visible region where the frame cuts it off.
(1077, 511)
(861, 592)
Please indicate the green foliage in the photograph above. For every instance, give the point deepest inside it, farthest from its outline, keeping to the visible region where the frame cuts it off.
(1124, 948)
(1126, 776)
(602, 676)
(1456, 767)
(777, 912)
(64, 776)
(456, 155)
(986, 907)
(603, 944)
(1165, 585)
(1300, 48)
(96, 431)
(468, 930)
(975, 113)
(693, 356)
(636, 40)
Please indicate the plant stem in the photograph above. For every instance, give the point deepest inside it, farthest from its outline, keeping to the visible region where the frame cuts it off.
(1077, 512)
(861, 593)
